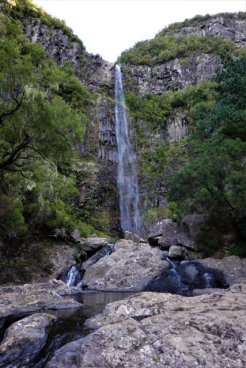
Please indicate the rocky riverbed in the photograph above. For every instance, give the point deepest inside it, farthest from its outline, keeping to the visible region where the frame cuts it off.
(52, 325)
(163, 330)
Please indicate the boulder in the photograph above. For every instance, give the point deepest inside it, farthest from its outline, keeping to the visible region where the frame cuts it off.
(183, 277)
(162, 330)
(24, 339)
(106, 250)
(17, 301)
(92, 244)
(167, 232)
(176, 251)
(131, 265)
(165, 229)
(128, 235)
(191, 224)
(233, 267)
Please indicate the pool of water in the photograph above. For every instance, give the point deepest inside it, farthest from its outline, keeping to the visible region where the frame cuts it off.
(70, 323)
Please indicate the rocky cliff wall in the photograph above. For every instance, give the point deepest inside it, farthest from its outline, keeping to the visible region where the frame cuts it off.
(98, 198)
(173, 75)
(98, 192)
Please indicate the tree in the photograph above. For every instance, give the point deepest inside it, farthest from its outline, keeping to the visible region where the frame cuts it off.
(214, 180)
(42, 118)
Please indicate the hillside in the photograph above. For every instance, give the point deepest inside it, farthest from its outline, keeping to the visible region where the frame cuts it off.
(174, 91)
(52, 87)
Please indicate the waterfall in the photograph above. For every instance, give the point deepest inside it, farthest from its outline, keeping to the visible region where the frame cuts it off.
(127, 171)
(73, 277)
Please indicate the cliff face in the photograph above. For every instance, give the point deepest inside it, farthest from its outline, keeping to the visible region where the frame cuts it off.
(173, 75)
(97, 171)
(159, 79)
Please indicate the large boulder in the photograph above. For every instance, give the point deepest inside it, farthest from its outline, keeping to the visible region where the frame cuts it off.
(167, 233)
(164, 233)
(162, 330)
(17, 301)
(183, 277)
(24, 339)
(92, 244)
(233, 267)
(131, 265)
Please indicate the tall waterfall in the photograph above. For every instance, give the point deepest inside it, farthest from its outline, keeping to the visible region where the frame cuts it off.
(127, 171)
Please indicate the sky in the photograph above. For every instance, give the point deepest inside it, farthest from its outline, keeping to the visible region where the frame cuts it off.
(108, 27)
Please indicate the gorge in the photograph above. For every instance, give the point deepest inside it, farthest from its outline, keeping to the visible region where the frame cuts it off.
(152, 149)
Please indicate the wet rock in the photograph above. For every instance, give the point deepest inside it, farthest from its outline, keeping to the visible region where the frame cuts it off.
(24, 339)
(233, 267)
(163, 330)
(182, 278)
(131, 265)
(16, 301)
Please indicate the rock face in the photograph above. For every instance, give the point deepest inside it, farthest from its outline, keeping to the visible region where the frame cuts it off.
(24, 339)
(162, 330)
(233, 29)
(17, 301)
(174, 74)
(131, 265)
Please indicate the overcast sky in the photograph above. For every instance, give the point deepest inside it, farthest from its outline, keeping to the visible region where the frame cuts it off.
(108, 27)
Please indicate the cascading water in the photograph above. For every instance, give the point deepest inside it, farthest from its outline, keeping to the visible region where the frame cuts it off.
(127, 172)
(73, 277)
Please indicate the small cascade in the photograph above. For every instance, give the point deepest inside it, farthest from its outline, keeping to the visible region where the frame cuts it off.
(73, 277)
(176, 276)
(127, 171)
(182, 277)
(208, 279)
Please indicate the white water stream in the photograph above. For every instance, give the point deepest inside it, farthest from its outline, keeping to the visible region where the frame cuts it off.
(127, 171)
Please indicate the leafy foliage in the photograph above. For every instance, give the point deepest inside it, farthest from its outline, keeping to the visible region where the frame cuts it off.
(21, 9)
(42, 119)
(214, 180)
(165, 48)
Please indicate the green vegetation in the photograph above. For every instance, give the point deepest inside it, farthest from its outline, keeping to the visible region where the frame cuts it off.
(21, 9)
(42, 120)
(168, 44)
(213, 180)
(162, 49)
(155, 109)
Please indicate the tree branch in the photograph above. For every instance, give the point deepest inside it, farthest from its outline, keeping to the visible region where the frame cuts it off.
(11, 112)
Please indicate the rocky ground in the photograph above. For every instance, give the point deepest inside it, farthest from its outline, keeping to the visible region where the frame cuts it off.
(163, 330)
(17, 301)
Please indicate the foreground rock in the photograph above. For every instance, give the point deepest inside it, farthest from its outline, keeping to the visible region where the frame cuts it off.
(24, 339)
(131, 265)
(163, 330)
(17, 301)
